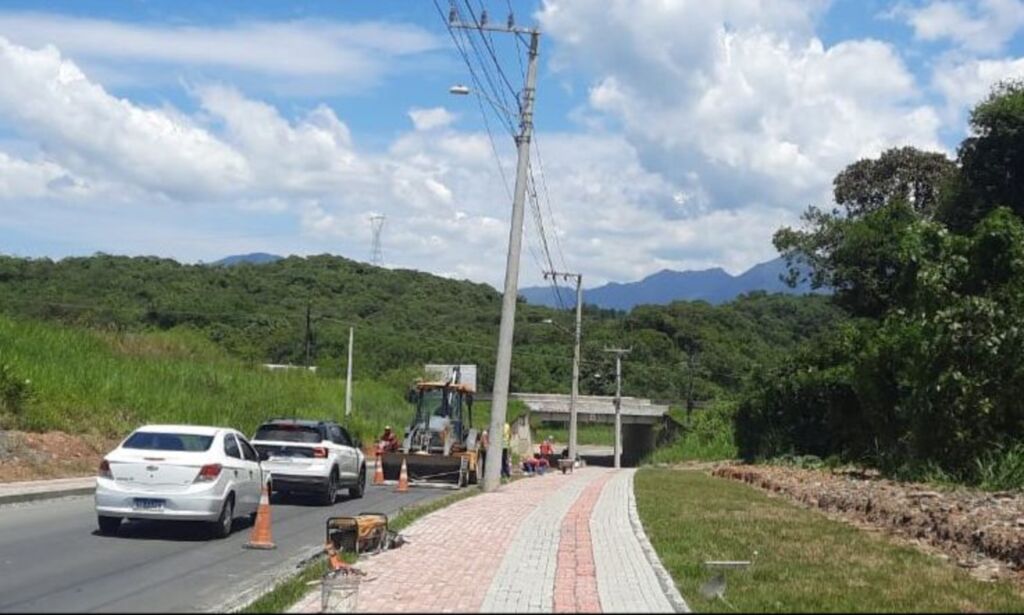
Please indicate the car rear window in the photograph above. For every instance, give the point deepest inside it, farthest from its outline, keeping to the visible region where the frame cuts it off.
(288, 433)
(157, 441)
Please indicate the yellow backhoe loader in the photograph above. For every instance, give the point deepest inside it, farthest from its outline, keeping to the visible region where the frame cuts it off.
(440, 446)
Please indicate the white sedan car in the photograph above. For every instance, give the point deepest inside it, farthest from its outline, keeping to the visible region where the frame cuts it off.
(179, 472)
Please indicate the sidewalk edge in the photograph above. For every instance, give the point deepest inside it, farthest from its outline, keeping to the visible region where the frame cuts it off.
(15, 498)
(664, 578)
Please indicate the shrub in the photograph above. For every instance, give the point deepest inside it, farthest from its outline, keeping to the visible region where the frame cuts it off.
(15, 392)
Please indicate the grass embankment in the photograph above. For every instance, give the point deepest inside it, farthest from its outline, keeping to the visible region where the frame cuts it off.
(586, 433)
(804, 562)
(84, 381)
(291, 590)
(707, 436)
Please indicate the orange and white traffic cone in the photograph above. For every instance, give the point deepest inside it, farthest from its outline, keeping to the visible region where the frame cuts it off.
(260, 537)
(378, 474)
(403, 478)
(333, 557)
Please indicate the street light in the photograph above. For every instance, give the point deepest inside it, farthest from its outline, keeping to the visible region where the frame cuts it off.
(459, 90)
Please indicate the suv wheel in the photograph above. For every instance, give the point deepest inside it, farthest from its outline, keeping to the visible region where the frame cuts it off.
(330, 493)
(356, 491)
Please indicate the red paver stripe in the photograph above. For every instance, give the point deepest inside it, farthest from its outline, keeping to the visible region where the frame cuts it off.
(575, 575)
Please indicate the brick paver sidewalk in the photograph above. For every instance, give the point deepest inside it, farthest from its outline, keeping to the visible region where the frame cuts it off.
(553, 543)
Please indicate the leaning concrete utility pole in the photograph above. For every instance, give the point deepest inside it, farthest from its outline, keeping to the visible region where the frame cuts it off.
(348, 375)
(503, 366)
(575, 357)
(618, 401)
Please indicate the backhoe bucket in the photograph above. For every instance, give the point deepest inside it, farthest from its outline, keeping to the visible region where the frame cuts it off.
(437, 469)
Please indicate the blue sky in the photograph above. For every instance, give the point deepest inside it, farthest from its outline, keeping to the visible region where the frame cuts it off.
(673, 135)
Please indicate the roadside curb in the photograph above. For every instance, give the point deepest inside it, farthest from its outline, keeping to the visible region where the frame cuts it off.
(48, 494)
(664, 578)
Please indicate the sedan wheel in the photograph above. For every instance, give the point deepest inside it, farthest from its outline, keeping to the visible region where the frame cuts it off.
(109, 525)
(222, 526)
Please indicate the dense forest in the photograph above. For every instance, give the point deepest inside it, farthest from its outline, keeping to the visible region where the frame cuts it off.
(404, 318)
(925, 376)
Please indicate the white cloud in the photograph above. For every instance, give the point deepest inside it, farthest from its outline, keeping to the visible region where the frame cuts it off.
(429, 119)
(740, 105)
(355, 53)
(32, 180)
(48, 98)
(984, 26)
(965, 83)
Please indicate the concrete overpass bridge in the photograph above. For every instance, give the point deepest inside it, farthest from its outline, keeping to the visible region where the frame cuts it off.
(639, 417)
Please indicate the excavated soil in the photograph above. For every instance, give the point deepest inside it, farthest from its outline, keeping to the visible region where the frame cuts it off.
(55, 454)
(981, 531)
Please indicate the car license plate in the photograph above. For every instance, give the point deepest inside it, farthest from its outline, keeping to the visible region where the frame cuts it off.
(281, 459)
(148, 503)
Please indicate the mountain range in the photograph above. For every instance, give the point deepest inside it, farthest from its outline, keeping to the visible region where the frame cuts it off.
(256, 258)
(712, 285)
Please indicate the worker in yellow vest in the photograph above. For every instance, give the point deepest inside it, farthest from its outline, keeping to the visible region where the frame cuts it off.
(506, 445)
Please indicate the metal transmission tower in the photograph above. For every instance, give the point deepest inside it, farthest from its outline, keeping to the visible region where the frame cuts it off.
(503, 365)
(377, 225)
(618, 401)
(575, 357)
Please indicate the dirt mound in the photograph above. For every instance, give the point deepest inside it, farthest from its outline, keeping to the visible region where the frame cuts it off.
(980, 530)
(55, 454)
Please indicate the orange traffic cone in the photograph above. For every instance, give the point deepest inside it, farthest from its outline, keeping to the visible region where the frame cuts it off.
(378, 474)
(333, 557)
(260, 537)
(403, 478)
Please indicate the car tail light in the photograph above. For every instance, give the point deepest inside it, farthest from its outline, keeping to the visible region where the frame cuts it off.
(319, 451)
(208, 472)
(104, 471)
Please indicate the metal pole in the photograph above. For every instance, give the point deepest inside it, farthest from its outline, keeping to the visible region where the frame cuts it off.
(618, 402)
(348, 375)
(575, 369)
(618, 410)
(309, 340)
(503, 366)
(574, 398)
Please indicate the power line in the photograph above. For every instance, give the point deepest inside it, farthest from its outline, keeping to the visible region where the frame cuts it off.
(547, 199)
(539, 221)
(479, 91)
(489, 44)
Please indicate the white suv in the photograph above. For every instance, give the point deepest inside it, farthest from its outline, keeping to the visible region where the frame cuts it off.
(312, 457)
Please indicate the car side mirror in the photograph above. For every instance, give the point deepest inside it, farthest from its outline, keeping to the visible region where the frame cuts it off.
(410, 396)
(356, 442)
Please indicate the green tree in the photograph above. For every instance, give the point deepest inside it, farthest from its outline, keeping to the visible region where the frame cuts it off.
(850, 249)
(991, 160)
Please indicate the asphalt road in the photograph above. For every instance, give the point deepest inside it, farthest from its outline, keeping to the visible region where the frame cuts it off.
(53, 559)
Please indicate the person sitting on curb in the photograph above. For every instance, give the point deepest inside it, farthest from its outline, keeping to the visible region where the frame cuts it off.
(535, 464)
